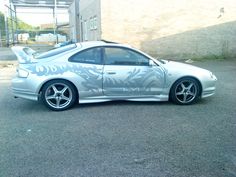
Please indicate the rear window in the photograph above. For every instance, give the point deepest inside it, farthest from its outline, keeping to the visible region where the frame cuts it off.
(56, 51)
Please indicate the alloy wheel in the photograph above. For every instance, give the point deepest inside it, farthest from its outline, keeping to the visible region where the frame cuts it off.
(58, 95)
(186, 91)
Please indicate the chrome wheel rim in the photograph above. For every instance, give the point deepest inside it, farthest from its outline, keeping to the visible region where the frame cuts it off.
(58, 95)
(186, 91)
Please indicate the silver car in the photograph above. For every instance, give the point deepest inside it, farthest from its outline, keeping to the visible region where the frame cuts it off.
(99, 71)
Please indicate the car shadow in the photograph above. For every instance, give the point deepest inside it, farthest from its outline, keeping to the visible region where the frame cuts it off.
(138, 103)
(29, 106)
(121, 103)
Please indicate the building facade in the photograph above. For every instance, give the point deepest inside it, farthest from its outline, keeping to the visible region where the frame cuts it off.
(85, 20)
(178, 29)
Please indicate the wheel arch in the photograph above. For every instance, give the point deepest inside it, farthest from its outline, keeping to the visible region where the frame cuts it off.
(192, 77)
(47, 81)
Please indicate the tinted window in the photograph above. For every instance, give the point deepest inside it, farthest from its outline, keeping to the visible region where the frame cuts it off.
(92, 56)
(122, 56)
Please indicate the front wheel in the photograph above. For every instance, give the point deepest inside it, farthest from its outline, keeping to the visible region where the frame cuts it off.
(185, 91)
(58, 95)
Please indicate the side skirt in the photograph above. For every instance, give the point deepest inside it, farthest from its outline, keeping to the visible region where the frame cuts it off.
(117, 98)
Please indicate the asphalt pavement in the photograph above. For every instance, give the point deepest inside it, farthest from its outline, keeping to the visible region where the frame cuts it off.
(121, 138)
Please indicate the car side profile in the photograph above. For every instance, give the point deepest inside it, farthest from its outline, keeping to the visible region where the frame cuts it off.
(99, 71)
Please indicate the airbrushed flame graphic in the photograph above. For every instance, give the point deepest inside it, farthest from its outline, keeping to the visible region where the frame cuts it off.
(137, 80)
(92, 77)
(148, 77)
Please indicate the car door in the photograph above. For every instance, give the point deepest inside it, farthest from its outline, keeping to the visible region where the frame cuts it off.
(88, 67)
(128, 73)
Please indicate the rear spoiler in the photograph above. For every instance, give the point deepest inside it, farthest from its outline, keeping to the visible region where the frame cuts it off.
(24, 54)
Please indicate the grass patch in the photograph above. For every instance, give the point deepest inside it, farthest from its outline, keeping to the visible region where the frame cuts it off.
(213, 57)
(210, 57)
(5, 64)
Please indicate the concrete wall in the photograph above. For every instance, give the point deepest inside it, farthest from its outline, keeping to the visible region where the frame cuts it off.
(90, 18)
(126, 21)
(173, 28)
(193, 29)
(213, 42)
(74, 21)
(168, 29)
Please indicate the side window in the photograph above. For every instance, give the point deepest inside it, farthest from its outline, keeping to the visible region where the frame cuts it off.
(122, 56)
(90, 56)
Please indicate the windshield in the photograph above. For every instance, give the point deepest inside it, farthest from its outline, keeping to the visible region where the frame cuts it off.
(159, 60)
(53, 52)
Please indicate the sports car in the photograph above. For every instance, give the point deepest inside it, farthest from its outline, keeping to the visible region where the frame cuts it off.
(99, 71)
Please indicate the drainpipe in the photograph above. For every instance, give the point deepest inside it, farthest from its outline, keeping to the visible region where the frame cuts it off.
(55, 20)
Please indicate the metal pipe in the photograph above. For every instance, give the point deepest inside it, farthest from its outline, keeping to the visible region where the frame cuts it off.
(55, 19)
(12, 26)
(16, 25)
(6, 28)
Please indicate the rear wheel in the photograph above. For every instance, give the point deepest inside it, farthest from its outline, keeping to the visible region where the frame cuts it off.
(58, 95)
(185, 91)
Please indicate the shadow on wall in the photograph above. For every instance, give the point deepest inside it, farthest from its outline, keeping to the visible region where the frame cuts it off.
(214, 42)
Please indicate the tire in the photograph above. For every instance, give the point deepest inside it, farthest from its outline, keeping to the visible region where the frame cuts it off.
(58, 95)
(185, 91)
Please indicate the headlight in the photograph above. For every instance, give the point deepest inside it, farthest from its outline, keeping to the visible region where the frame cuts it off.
(22, 73)
(213, 76)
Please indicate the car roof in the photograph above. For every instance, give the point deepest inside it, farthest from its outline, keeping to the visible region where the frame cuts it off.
(89, 44)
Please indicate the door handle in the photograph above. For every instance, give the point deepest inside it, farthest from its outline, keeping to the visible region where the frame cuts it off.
(111, 72)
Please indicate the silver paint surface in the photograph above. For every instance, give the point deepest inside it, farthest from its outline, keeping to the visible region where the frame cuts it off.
(97, 83)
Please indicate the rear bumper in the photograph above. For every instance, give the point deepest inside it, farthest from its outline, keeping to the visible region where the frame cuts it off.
(21, 88)
(24, 94)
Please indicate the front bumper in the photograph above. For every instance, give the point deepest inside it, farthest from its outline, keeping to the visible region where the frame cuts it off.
(209, 87)
(208, 92)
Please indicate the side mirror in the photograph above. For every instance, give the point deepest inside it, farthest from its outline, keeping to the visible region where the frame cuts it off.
(152, 63)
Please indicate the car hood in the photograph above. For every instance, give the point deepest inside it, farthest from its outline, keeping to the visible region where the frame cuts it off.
(183, 68)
